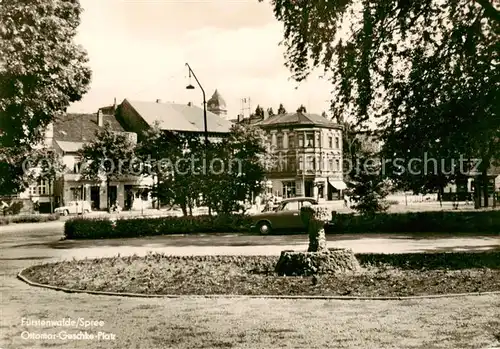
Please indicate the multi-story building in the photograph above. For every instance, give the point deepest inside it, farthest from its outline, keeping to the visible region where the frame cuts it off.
(69, 132)
(308, 149)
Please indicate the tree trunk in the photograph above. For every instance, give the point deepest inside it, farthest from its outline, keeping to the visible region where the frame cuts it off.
(440, 194)
(184, 209)
(108, 201)
(51, 197)
(477, 193)
(485, 192)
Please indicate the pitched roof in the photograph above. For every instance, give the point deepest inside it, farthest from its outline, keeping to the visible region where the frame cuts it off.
(69, 147)
(179, 117)
(297, 118)
(81, 127)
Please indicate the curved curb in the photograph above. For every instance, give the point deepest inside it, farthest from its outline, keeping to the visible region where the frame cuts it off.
(139, 295)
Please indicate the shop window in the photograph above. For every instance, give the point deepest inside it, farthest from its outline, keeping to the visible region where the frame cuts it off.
(289, 189)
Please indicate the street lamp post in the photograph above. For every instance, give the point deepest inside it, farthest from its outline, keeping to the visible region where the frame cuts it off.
(191, 87)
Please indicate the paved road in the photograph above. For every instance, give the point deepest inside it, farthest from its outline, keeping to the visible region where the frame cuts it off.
(43, 241)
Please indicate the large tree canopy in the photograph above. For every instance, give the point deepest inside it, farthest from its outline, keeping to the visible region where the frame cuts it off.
(42, 71)
(426, 71)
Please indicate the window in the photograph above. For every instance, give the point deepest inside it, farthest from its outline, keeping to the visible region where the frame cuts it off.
(306, 203)
(301, 163)
(291, 140)
(292, 163)
(33, 190)
(309, 140)
(330, 164)
(77, 166)
(280, 141)
(337, 165)
(330, 142)
(337, 143)
(310, 163)
(301, 141)
(291, 206)
(289, 190)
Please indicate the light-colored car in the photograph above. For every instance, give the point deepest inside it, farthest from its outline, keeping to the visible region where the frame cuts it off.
(285, 216)
(74, 207)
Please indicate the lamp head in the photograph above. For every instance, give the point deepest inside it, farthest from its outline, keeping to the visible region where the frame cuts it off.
(189, 87)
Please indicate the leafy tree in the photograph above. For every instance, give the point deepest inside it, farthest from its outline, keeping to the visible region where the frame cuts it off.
(281, 109)
(259, 111)
(270, 111)
(109, 156)
(368, 188)
(426, 70)
(246, 157)
(301, 109)
(42, 71)
(175, 162)
(323, 114)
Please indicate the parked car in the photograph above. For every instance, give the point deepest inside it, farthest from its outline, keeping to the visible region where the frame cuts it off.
(74, 207)
(285, 216)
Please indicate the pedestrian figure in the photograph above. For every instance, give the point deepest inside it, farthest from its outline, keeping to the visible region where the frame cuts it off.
(258, 202)
(455, 202)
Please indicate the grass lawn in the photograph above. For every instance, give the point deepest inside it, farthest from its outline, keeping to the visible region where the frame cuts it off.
(191, 323)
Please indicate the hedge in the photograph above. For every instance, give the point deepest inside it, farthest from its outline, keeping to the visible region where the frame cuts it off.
(439, 260)
(418, 222)
(106, 228)
(33, 218)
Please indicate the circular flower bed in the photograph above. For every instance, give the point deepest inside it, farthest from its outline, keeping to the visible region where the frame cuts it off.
(253, 275)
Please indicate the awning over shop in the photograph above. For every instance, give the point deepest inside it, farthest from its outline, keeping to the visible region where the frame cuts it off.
(339, 185)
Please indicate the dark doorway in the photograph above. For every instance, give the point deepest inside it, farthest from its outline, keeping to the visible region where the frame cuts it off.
(113, 194)
(95, 197)
(309, 185)
(129, 197)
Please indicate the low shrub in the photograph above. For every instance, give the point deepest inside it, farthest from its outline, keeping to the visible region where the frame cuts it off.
(29, 218)
(104, 228)
(418, 222)
(441, 260)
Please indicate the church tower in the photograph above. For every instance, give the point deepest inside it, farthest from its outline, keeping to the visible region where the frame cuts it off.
(217, 105)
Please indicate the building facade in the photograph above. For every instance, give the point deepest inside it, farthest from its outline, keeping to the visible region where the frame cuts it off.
(69, 132)
(308, 149)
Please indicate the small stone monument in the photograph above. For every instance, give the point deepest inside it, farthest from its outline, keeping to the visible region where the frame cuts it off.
(318, 259)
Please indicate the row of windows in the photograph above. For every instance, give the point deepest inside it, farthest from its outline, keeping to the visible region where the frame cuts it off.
(307, 142)
(310, 164)
(41, 188)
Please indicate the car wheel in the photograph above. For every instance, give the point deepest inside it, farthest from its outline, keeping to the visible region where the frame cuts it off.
(65, 213)
(86, 211)
(264, 228)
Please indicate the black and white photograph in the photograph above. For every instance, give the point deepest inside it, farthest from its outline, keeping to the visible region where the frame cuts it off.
(249, 174)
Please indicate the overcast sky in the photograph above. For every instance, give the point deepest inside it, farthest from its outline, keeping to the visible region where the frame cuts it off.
(138, 50)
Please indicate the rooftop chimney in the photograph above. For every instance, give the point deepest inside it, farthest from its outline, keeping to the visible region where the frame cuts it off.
(158, 101)
(189, 104)
(100, 118)
(114, 105)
